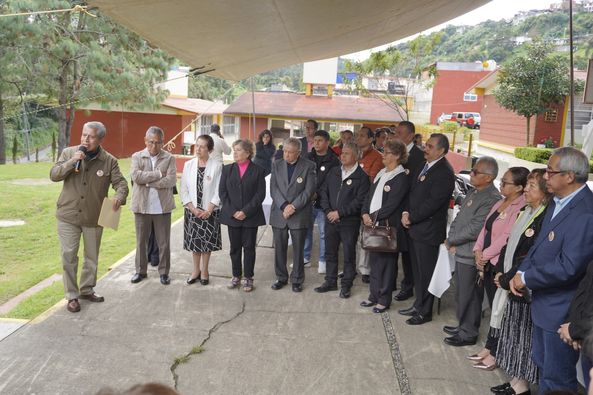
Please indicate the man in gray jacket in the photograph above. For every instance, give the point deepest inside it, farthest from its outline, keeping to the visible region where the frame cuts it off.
(461, 239)
(292, 185)
(154, 176)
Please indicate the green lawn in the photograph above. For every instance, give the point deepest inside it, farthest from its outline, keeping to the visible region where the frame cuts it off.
(30, 253)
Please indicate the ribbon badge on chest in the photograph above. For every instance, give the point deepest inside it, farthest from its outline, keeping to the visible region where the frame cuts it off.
(551, 236)
(349, 182)
(299, 180)
(529, 232)
(387, 188)
(322, 168)
(100, 173)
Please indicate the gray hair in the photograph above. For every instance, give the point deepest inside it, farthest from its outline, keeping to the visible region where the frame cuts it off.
(246, 145)
(353, 147)
(98, 127)
(490, 165)
(155, 130)
(296, 143)
(573, 160)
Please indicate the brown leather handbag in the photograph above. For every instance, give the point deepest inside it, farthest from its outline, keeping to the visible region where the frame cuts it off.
(378, 238)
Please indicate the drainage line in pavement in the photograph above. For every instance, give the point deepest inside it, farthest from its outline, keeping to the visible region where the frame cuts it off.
(398, 364)
(199, 348)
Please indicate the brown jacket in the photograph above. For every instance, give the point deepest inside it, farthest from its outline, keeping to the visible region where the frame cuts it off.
(371, 162)
(83, 193)
(163, 178)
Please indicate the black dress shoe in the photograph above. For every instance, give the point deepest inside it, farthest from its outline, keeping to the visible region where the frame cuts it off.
(297, 288)
(278, 285)
(379, 310)
(451, 330)
(403, 295)
(325, 287)
(345, 292)
(418, 319)
(137, 277)
(366, 278)
(205, 281)
(500, 389)
(457, 341)
(193, 280)
(367, 303)
(410, 311)
(165, 280)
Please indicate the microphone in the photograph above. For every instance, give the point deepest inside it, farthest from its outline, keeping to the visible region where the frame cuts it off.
(78, 162)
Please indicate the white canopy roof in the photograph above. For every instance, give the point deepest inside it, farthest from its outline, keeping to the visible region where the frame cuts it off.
(239, 38)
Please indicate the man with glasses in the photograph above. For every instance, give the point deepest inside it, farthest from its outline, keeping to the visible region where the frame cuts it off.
(462, 236)
(154, 176)
(555, 265)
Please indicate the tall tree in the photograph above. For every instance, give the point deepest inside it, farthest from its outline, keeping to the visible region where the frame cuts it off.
(530, 82)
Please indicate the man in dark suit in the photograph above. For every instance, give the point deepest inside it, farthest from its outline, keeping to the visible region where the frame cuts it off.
(292, 185)
(426, 221)
(405, 131)
(555, 265)
(342, 197)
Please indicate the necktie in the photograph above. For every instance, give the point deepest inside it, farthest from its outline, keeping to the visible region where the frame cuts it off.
(424, 170)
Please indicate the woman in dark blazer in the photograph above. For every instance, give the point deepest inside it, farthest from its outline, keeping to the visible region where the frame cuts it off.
(385, 202)
(242, 191)
(264, 151)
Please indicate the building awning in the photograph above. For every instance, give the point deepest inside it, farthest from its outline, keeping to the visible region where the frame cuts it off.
(196, 106)
(287, 105)
(238, 38)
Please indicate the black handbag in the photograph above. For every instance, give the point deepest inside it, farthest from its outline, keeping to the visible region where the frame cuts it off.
(378, 238)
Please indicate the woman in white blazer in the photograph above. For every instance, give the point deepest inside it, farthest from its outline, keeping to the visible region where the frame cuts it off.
(199, 196)
(220, 145)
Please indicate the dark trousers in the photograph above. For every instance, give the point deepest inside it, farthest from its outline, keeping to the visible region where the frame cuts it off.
(489, 285)
(556, 361)
(347, 235)
(162, 233)
(153, 249)
(383, 266)
(424, 259)
(242, 241)
(468, 297)
(586, 364)
(297, 276)
(407, 284)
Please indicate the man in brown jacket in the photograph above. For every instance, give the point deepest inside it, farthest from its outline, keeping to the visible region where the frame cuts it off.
(87, 171)
(154, 175)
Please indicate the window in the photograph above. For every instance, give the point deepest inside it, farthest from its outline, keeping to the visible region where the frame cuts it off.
(203, 124)
(470, 97)
(229, 126)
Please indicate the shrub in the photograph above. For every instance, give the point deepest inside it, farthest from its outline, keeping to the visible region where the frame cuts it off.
(449, 126)
(532, 154)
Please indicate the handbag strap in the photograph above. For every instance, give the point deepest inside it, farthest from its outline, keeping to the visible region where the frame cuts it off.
(375, 220)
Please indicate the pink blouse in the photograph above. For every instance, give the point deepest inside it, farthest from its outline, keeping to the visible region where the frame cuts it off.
(243, 168)
(501, 228)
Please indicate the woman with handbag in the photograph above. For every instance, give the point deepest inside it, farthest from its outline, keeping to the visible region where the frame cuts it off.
(382, 209)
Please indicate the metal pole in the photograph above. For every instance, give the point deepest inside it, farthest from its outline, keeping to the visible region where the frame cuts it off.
(253, 107)
(571, 76)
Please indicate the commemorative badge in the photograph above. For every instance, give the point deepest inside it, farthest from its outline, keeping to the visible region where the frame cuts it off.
(422, 178)
(502, 215)
(387, 188)
(407, 171)
(551, 235)
(529, 232)
(322, 168)
(361, 165)
(349, 182)
(100, 173)
(470, 203)
(300, 180)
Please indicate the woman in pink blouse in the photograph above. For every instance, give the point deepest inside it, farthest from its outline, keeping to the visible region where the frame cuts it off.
(492, 238)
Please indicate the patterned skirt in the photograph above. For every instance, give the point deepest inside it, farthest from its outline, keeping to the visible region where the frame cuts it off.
(514, 345)
(201, 235)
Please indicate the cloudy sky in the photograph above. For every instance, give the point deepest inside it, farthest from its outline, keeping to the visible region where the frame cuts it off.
(495, 10)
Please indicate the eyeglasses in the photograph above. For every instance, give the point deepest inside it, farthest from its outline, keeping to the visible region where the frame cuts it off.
(154, 142)
(504, 183)
(388, 152)
(552, 173)
(476, 172)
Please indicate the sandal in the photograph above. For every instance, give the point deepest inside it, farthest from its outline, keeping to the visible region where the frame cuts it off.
(248, 285)
(235, 281)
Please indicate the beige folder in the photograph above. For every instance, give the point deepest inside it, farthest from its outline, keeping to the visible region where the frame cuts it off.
(109, 218)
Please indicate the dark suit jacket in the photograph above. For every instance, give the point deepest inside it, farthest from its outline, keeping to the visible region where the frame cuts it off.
(392, 205)
(558, 260)
(415, 161)
(242, 194)
(428, 203)
(581, 308)
(297, 192)
(345, 196)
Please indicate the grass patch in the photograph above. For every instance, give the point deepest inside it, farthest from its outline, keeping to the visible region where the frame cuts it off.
(31, 253)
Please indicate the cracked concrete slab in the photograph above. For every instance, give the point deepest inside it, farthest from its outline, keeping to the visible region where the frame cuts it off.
(260, 342)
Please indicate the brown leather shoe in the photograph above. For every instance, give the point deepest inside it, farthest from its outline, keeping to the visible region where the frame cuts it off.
(94, 297)
(73, 306)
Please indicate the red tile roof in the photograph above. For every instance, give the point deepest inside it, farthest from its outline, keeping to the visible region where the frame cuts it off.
(298, 106)
(197, 106)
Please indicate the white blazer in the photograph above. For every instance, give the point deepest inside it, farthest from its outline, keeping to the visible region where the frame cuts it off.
(220, 147)
(189, 190)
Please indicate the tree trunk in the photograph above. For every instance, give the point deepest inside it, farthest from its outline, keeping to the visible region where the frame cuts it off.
(528, 130)
(2, 138)
(63, 126)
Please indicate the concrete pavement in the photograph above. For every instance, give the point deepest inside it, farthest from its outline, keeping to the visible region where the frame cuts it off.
(208, 339)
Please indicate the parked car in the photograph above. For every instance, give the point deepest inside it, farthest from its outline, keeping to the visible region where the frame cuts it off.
(443, 117)
(471, 120)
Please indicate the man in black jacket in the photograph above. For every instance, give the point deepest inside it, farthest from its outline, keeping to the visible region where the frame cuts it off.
(426, 221)
(342, 197)
(324, 159)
